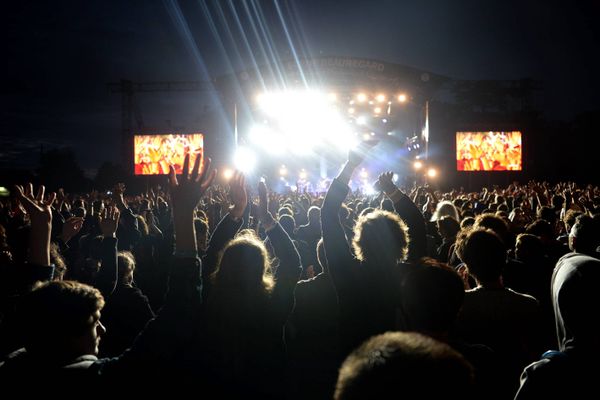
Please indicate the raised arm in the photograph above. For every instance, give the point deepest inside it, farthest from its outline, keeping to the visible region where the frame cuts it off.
(411, 215)
(228, 226)
(186, 193)
(163, 337)
(39, 209)
(340, 260)
(289, 268)
(285, 251)
(106, 281)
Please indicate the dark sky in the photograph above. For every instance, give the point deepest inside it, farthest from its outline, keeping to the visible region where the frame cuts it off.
(59, 56)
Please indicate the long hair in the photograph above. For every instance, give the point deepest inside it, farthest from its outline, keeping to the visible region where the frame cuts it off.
(244, 266)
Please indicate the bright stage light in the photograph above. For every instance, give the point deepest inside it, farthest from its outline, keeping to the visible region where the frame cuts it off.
(362, 120)
(245, 159)
(302, 175)
(380, 98)
(227, 173)
(418, 165)
(432, 173)
(369, 190)
(267, 139)
(361, 97)
(402, 98)
(351, 110)
(364, 174)
(332, 97)
(377, 110)
(395, 178)
(302, 120)
(283, 170)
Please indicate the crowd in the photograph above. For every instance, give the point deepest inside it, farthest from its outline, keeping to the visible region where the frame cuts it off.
(237, 291)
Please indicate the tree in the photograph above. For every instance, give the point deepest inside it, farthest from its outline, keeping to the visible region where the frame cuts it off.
(59, 169)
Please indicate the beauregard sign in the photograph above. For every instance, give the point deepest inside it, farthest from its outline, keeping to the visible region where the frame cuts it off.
(340, 62)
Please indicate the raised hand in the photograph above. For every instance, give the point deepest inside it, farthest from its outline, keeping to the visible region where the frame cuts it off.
(109, 221)
(61, 197)
(262, 211)
(358, 154)
(273, 200)
(385, 182)
(187, 190)
(71, 227)
(38, 208)
(186, 193)
(355, 157)
(118, 192)
(238, 195)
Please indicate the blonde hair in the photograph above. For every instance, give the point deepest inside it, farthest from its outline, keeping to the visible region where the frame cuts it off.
(244, 264)
(126, 266)
(445, 208)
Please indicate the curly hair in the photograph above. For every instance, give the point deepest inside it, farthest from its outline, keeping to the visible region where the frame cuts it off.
(57, 310)
(380, 235)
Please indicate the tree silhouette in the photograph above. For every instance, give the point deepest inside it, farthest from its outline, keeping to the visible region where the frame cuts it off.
(59, 168)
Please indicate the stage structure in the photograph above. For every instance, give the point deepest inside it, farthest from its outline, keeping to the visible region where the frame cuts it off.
(301, 116)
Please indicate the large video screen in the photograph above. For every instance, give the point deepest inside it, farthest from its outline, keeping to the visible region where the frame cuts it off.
(489, 151)
(153, 154)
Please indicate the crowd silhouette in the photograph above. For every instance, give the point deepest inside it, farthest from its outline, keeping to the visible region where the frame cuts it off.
(238, 291)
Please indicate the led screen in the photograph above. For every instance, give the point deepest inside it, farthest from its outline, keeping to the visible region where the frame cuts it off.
(154, 153)
(489, 151)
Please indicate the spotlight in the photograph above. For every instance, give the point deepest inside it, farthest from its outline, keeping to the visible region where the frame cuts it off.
(351, 110)
(292, 131)
(302, 174)
(362, 120)
(366, 136)
(377, 110)
(361, 97)
(380, 98)
(245, 159)
(364, 174)
(418, 165)
(402, 98)
(332, 96)
(395, 178)
(283, 171)
(432, 173)
(227, 173)
(369, 190)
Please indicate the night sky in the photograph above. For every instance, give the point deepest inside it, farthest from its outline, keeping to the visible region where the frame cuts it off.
(59, 56)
